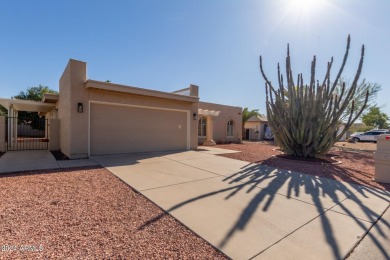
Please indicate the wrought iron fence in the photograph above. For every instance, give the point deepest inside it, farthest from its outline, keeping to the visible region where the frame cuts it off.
(26, 133)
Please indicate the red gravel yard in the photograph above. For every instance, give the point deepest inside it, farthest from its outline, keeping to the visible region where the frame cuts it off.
(87, 213)
(356, 167)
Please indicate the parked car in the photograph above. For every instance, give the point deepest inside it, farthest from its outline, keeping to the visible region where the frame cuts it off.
(369, 136)
(356, 134)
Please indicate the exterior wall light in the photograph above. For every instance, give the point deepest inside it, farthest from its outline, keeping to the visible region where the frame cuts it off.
(80, 108)
(195, 116)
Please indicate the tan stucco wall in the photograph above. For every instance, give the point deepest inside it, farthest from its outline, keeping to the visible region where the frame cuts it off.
(220, 122)
(64, 110)
(54, 134)
(2, 134)
(74, 125)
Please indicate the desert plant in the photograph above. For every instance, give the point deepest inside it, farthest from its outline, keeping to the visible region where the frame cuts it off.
(305, 119)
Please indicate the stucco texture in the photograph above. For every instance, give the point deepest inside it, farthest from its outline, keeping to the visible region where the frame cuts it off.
(227, 113)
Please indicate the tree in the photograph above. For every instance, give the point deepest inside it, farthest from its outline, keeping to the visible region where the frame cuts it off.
(3, 111)
(34, 93)
(376, 118)
(246, 114)
(359, 128)
(362, 88)
(306, 119)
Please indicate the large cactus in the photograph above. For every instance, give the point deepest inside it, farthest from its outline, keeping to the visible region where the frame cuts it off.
(305, 118)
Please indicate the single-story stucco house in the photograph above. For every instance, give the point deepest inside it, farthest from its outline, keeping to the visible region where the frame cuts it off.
(255, 128)
(90, 117)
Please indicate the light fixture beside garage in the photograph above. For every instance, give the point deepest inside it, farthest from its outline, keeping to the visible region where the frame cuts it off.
(195, 116)
(80, 108)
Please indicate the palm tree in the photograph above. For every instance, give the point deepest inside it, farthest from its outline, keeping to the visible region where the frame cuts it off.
(246, 114)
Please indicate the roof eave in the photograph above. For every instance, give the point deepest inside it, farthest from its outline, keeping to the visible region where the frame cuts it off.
(26, 105)
(93, 84)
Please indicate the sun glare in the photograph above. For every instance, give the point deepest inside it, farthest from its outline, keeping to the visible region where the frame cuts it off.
(305, 6)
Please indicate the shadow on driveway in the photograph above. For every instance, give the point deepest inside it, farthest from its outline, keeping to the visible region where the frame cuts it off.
(268, 181)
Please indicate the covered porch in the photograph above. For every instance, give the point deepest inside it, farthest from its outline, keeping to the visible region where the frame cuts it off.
(208, 115)
(20, 132)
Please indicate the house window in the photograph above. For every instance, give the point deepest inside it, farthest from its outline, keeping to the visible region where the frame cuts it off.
(230, 128)
(202, 127)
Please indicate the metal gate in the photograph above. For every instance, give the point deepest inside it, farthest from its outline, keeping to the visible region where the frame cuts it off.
(26, 133)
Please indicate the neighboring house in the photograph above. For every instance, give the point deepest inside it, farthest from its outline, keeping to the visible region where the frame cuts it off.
(255, 128)
(90, 117)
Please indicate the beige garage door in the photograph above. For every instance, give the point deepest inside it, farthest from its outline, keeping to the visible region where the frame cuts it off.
(122, 129)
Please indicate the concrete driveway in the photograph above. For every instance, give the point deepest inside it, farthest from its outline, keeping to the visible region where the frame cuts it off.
(252, 211)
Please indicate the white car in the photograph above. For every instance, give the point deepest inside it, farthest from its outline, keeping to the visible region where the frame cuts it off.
(369, 136)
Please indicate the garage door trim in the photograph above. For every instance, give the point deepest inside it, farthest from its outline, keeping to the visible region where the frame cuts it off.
(136, 106)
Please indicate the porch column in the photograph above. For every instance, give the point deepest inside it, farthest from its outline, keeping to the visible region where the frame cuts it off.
(2, 134)
(209, 114)
(10, 124)
(16, 125)
(46, 127)
(209, 132)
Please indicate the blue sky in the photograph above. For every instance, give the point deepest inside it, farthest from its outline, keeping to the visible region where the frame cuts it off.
(167, 45)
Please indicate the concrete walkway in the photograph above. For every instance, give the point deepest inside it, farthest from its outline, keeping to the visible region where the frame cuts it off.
(16, 161)
(376, 244)
(252, 211)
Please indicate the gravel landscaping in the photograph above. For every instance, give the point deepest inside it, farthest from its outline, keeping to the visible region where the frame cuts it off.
(356, 167)
(88, 213)
(362, 146)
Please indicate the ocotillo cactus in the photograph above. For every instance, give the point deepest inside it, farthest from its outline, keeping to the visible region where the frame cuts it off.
(305, 119)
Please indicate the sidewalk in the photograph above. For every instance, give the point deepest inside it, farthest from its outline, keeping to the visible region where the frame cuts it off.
(16, 161)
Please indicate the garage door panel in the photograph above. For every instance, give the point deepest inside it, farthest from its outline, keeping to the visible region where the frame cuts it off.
(119, 129)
